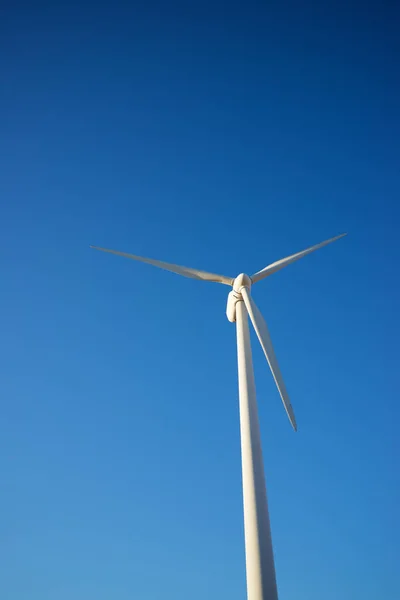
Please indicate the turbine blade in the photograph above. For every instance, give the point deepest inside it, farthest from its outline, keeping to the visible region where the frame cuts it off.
(179, 270)
(279, 264)
(264, 337)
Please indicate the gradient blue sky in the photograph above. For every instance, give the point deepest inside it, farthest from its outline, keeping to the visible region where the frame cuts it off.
(222, 137)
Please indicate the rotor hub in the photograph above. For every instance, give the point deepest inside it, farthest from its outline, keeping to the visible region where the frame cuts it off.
(241, 281)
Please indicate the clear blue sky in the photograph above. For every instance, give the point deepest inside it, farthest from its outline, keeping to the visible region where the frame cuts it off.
(222, 137)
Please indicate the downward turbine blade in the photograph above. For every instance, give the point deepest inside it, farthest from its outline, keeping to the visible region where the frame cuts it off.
(262, 332)
(279, 264)
(179, 270)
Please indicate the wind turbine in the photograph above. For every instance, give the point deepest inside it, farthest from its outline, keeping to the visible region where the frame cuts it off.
(260, 567)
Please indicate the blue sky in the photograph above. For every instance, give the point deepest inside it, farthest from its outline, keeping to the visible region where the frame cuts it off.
(221, 138)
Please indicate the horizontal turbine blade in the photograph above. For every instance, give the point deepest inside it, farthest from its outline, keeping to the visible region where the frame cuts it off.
(185, 271)
(279, 264)
(262, 332)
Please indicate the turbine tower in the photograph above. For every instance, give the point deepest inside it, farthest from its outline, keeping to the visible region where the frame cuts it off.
(260, 567)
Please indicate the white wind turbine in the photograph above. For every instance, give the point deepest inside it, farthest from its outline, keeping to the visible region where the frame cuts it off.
(260, 568)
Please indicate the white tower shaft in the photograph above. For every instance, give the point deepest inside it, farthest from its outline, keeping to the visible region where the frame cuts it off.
(260, 567)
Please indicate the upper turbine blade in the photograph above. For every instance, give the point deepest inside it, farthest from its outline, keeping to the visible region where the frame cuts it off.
(185, 271)
(279, 264)
(262, 332)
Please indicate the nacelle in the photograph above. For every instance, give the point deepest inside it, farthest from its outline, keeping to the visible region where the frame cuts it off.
(233, 298)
